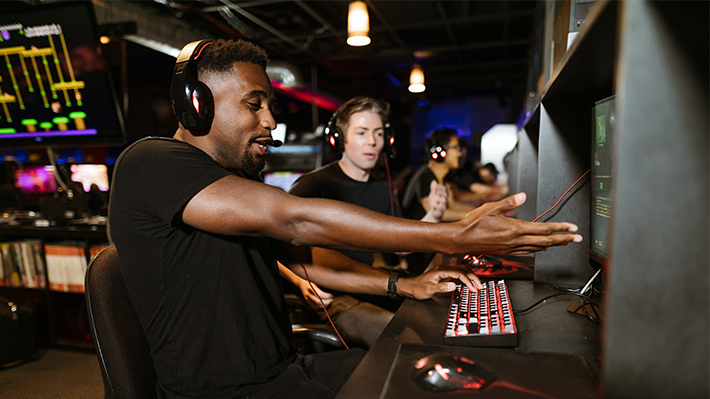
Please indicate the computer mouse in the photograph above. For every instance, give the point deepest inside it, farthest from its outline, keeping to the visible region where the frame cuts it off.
(482, 261)
(445, 373)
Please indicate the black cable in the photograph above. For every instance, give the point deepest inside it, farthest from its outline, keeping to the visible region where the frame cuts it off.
(554, 295)
(583, 306)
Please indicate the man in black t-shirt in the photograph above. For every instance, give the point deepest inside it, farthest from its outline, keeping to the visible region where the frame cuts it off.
(361, 123)
(198, 239)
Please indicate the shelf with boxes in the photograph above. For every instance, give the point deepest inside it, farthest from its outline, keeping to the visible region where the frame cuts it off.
(43, 269)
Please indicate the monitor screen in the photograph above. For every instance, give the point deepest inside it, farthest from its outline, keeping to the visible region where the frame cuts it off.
(602, 178)
(54, 83)
(282, 179)
(35, 181)
(88, 174)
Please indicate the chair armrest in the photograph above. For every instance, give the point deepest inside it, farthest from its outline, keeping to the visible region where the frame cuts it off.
(319, 333)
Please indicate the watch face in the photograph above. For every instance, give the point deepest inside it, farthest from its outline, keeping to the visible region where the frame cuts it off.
(392, 286)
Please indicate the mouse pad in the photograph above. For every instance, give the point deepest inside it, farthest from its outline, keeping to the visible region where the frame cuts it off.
(517, 267)
(515, 374)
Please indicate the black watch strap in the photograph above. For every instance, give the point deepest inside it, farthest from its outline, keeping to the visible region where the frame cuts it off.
(392, 285)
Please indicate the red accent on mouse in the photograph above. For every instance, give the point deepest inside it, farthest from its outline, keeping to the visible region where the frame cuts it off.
(445, 373)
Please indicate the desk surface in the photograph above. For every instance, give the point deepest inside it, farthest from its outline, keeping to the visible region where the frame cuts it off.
(548, 327)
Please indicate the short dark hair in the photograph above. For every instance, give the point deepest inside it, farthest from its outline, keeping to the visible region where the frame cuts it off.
(463, 143)
(439, 137)
(358, 104)
(221, 54)
(491, 168)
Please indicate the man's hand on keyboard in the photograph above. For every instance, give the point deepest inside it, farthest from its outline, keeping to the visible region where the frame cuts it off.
(492, 233)
(438, 280)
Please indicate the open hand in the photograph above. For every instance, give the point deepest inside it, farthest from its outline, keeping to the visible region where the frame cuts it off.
(437, 200)
(488, 232)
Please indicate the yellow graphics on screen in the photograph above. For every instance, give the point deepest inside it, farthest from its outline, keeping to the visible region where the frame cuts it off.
(42, 71)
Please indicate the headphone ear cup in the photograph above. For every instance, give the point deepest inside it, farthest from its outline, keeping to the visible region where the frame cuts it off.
(192, 100)
(437, 153)
(333, 135)
(336, 140)
(203, 105)
(390, 147)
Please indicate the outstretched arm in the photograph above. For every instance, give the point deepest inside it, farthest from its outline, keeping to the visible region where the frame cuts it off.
(238, 206)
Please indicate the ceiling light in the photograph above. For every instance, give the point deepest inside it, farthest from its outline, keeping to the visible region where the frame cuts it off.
(358, 24)
(416, 80)
(104, 39)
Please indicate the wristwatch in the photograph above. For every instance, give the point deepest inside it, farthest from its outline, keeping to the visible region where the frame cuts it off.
(392, 283)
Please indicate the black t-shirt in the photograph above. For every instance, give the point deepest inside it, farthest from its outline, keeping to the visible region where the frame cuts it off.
(418, 187)
(212, 306)
(330, 182)
(464, 177)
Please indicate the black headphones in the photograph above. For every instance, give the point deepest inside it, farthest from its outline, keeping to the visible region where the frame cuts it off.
(192, 100)
(437, 152)
(336, 137)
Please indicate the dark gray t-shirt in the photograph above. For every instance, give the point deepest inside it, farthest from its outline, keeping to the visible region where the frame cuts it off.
(212, 306)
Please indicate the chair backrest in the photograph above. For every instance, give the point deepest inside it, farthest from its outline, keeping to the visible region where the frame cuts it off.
(122, 348)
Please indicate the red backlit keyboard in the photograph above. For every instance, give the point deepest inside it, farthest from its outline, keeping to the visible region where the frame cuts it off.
(484, 318)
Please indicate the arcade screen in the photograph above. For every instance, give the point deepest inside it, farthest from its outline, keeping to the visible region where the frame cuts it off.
(54, 83)
(88, 174)
(36, 180)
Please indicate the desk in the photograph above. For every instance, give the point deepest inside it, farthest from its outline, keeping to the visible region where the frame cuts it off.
(546, 328)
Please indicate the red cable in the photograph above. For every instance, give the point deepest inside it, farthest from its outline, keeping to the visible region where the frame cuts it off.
(563, 195)
(551, 208)
(319, 298)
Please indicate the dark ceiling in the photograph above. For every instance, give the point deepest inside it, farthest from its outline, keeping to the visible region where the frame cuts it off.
(465, 48)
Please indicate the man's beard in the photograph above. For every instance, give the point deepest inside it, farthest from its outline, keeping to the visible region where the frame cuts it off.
(250, 166)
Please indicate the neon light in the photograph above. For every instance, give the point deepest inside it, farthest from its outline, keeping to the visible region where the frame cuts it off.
(307, 96)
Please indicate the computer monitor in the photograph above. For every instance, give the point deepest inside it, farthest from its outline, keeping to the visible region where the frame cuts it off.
(35, 181)
(54, 84)
(602, 179)
(88, 174)
(283, 179)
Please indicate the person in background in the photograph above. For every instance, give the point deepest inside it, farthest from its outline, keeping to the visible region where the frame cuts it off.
(443, 153)
(481, 183)
(199, 236)
(361, 138)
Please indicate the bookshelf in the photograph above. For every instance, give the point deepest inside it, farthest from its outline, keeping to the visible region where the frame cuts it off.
(654, 57)
(59, 312)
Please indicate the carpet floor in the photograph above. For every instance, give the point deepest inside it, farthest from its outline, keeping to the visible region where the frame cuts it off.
(56, 374)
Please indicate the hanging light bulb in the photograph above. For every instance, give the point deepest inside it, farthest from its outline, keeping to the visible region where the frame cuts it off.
(358, 24)
(416, 80)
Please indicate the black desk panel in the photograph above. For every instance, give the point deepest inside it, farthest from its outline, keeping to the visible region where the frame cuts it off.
(548, 327)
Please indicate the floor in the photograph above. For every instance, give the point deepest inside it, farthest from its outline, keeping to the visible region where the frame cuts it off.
(56, 374)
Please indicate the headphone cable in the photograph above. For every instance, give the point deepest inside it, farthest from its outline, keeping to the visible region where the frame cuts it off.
(319, 298)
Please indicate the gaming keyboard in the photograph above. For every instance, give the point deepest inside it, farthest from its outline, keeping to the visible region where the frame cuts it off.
(484, 318)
